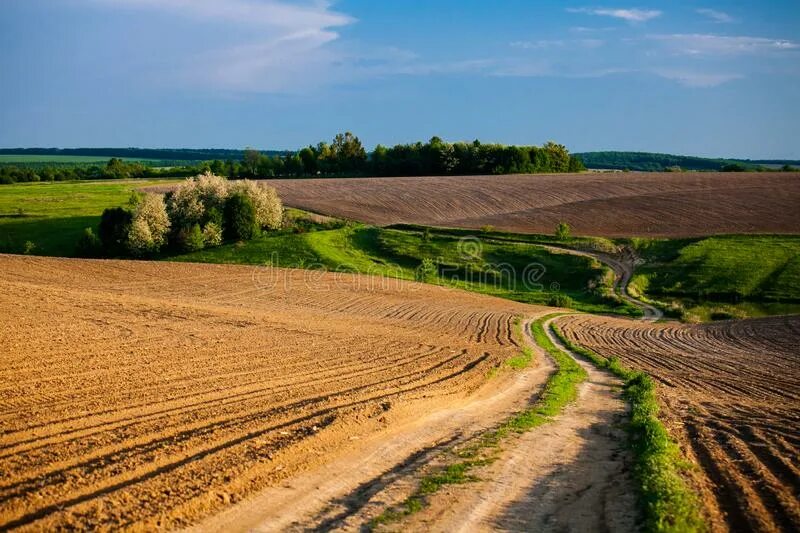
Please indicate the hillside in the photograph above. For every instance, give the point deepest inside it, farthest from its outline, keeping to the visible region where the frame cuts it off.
(655, 162)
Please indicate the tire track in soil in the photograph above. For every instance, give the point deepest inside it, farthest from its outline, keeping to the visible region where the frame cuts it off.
(349, 491)
(572, 474)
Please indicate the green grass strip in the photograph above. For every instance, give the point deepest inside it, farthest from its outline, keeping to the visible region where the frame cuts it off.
(666, 500)
(561, 389)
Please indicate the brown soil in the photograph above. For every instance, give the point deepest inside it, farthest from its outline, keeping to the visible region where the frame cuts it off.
(572, 474)
(731, 396)
(147, 395)
(610, 204)
(358, 484)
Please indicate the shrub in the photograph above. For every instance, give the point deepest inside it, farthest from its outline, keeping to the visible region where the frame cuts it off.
(89, 244)
(29, 247)
(115, 223)
(191, 239)
(269, 209)
(426, 270)
(212, 234)
(240, 217)
(140, 240)
(149, 225)
(559, 300)
(563, 231)
(197, 200)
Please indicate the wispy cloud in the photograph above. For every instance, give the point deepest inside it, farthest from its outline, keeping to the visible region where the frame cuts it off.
(714, 45)
(264, 13)
(691, 78)
(715, 15)
(544, 44)
(292, 51)
(629, 15)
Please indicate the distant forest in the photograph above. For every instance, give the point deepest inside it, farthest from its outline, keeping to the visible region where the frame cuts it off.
(344, 156)
(653, 162)
(162, 154)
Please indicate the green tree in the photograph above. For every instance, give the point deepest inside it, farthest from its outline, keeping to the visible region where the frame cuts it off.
(250, 160)
(348, 152)
(309, 160)
(113, 231)
(240, 217)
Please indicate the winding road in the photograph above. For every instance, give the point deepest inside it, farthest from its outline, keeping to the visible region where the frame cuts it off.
(570, 474)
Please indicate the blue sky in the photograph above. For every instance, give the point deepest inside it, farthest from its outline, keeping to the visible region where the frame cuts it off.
(706, 78)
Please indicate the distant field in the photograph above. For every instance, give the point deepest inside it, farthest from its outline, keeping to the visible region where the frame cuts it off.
(84, 159)
(611, 205)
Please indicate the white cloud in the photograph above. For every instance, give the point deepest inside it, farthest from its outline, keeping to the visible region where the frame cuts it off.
(260, 13)
(629, 15)
(293, 50)
(558, 43)
(711, 45)
(690, 78)
(715, 15)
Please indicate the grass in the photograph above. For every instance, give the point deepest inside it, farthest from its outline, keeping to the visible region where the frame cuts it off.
(52, 216)
(560, 390)
(517, 271)
(733, 268)
(594, 243)
(525, 356)
(667, 502)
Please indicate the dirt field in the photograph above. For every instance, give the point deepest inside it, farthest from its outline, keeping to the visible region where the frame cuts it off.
(610, 204)
(731, 393)
(143, 395)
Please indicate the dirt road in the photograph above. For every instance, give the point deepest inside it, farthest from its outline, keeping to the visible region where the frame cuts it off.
(356, 486)
(623, 266)
(569, 475)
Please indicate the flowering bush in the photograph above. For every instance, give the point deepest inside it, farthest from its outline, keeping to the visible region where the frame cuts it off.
(201, 200)
(212, 234)
(149, 226)
(269, 209)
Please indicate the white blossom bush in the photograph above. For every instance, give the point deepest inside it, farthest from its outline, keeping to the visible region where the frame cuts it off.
(149, 226)
(269, 209)
(212, 234)
(201, 200)
(191, 202)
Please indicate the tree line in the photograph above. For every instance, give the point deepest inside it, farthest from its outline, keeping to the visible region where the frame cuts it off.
(345, 156)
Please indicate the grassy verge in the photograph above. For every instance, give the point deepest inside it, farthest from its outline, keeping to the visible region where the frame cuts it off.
(667, 502)
(720, 277)
(561, 389)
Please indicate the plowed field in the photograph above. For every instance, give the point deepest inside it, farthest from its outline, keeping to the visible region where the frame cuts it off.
(618, 204)
(140, 394)
(731, 394)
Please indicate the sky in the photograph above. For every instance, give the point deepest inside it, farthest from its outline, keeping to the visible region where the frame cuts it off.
(710, 78)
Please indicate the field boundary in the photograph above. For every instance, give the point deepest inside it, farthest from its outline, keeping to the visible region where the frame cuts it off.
(668, 503)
